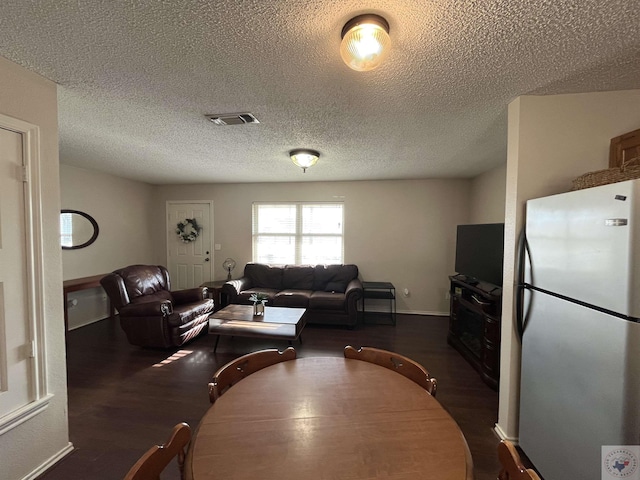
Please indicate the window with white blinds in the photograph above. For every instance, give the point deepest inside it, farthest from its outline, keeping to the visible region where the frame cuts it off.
(298, 233)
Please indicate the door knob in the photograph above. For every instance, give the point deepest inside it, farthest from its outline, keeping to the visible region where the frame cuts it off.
(206, 259)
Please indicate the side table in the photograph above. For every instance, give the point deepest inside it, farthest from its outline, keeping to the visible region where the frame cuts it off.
(379, 291)
(215, 290)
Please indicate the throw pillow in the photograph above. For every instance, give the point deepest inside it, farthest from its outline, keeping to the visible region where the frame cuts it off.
(335, 287)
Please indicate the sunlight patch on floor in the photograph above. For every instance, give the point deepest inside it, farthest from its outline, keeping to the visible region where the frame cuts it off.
(176, 356)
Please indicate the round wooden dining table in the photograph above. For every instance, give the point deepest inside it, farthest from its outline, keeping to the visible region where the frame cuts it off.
(327, 418)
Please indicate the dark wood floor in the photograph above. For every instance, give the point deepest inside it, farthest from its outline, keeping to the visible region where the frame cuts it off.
(122, 399)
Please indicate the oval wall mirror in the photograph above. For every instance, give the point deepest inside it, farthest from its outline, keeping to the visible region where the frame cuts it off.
(77, 229)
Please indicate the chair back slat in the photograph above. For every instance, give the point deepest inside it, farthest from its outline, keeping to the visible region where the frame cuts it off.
(234, 371)
(512, 467)
(156, 459)
(394, 361)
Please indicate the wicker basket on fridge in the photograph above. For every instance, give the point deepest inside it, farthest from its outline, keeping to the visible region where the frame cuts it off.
(628, 170)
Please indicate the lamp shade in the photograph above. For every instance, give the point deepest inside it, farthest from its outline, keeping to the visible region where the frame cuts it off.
(365, 42)
(304, 158)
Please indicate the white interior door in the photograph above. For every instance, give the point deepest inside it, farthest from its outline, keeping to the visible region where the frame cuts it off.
(190, 263)
(16, 363)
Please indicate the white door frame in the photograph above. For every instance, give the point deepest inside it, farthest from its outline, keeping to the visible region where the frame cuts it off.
(30, 175)
(166, 213)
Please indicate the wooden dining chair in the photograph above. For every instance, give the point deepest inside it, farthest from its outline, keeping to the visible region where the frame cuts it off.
(241, 367)
(156, 459)
(394, 361)
(512, 467)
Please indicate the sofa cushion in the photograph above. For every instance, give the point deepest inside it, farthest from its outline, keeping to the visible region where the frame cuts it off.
(298, 277)
(264, 276)
(324, 274)
(335, 287)
(327, 301)
(292, 298)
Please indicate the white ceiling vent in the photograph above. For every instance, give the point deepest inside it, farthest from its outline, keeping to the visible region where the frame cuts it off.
(232, 118)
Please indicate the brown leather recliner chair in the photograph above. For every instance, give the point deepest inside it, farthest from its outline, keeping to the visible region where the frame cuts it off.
(150, 314)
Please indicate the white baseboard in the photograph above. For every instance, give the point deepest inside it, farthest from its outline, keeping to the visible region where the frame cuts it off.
(88, 322)
(50, 462)
(502, 435)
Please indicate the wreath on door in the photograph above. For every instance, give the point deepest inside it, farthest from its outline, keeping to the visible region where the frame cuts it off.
(188, 230)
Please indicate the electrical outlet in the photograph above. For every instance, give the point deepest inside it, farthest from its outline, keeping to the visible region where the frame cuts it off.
(447, 295)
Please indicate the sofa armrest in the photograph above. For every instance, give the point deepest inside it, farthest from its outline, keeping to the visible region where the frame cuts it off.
(354, 288)
(147, 309)
(353, 293)
(189, 295)
(233, 288)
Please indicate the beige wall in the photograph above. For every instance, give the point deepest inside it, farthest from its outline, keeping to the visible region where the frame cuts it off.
(123, 210)
(27, 447)
(551, 140)
(487, 196)
(397, 231)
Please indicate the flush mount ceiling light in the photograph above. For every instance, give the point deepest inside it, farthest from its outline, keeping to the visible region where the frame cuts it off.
(304, 158)
(365, 42)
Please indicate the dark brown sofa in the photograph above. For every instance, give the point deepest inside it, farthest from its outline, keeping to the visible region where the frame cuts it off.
(150, 314)
(330, 293)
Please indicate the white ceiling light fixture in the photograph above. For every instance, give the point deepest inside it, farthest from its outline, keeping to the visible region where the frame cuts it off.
(304, 158)
(365, 42)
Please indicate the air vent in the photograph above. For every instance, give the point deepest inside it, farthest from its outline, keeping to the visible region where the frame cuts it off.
(232, 118)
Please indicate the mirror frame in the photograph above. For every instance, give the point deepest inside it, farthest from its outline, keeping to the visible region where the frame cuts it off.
(96, 229)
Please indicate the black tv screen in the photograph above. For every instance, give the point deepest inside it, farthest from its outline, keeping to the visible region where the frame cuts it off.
(479, 252)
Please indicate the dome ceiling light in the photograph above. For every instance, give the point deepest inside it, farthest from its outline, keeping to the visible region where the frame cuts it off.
(304, 158)
(365, 42)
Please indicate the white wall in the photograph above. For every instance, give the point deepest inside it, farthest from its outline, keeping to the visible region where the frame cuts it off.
(41, 439)
(123, 210)
(487, 196)
(397, 231)
(551, 141)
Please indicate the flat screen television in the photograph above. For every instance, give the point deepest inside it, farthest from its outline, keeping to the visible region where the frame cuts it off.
(479, 252)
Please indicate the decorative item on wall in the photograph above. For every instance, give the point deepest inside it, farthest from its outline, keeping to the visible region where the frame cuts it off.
(229, 264)
(188, 230)
(304, 158)
(365, 42)
(77, 229)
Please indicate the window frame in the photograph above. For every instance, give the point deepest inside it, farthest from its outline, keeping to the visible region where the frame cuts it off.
(298, 233)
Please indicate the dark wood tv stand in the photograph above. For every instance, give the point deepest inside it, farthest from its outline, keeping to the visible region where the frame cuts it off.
(474, 325)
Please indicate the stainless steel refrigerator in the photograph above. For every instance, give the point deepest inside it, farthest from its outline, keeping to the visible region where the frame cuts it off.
(580, 377)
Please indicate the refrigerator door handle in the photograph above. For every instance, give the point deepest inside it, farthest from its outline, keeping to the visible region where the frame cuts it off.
(522, 252)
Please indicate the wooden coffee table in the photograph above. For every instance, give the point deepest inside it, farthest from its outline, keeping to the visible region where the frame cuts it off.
(277, 322)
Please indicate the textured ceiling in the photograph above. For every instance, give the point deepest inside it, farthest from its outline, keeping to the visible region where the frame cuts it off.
(137, 77)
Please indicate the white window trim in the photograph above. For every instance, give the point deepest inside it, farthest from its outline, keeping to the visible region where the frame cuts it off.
(35, 272)
(298, 234)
